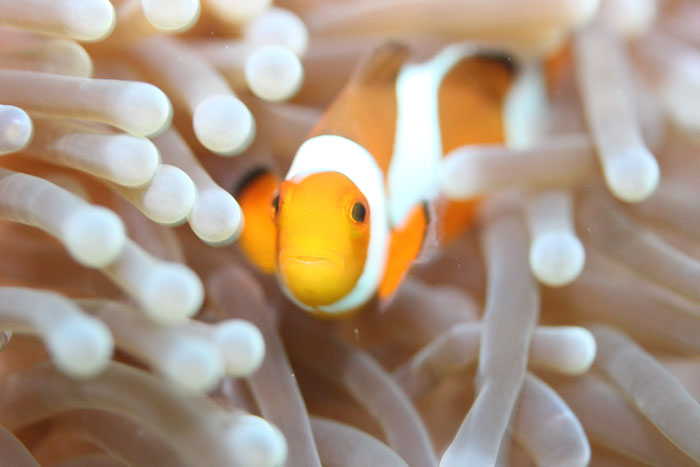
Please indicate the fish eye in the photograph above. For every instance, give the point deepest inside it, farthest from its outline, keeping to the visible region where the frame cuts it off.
(275, 205)
(358, 212)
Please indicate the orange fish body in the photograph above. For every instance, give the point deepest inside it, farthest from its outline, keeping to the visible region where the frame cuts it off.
(360, 202)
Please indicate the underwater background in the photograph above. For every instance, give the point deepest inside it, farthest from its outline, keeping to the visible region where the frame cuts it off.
(562, 329)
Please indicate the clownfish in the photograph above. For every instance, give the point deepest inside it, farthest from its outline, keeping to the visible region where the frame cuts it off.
(361, 203)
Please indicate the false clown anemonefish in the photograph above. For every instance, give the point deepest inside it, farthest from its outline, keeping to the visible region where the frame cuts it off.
(360, 202)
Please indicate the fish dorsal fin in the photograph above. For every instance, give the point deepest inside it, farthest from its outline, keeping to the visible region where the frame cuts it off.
(383, 66)
(365, 111)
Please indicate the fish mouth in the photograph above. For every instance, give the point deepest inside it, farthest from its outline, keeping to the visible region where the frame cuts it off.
(310, 259)
(312, 275)
(315, 256)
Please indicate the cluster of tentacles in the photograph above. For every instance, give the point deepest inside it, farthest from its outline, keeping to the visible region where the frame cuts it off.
(563, 330)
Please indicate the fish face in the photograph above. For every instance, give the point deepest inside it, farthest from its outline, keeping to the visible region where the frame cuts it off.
(322, 224)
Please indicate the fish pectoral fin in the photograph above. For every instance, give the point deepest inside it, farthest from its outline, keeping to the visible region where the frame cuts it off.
(405, 246)
(455, 218)
(259, 237)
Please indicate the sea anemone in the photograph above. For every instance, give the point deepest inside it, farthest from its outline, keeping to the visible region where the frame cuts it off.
(561, 330)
